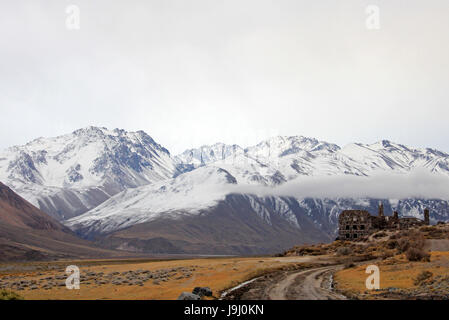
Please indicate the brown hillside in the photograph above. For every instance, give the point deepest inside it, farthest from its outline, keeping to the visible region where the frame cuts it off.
(27, 233)
(17, 212)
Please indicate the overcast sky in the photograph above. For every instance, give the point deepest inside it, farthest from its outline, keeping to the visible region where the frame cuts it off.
(192, 72)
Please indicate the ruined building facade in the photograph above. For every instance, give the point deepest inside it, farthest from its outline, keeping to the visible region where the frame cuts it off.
(356, 224)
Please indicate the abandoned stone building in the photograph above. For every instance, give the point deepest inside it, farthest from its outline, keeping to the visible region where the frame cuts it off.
(356, 224)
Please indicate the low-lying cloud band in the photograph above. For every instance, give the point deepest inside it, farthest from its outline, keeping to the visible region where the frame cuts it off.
(415, 184)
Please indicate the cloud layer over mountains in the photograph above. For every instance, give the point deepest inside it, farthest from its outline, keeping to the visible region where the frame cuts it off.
(419, 183)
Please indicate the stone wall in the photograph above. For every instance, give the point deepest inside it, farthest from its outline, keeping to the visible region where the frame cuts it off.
(354, 224)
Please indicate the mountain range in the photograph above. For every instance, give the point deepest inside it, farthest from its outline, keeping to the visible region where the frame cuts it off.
(68, 175)
(125, 191)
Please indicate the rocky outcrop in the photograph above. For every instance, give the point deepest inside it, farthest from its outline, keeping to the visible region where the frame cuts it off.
(188, 296)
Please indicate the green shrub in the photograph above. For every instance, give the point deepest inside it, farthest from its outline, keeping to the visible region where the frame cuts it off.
(9, 295)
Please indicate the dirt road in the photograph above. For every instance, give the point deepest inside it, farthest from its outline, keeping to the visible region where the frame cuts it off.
(313, 284)
(310, 284)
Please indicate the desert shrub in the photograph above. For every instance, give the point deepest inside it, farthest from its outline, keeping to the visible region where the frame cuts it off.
(423, 276)
(403, 245)
(344, 251)
(9, 295)
(380, 234)
(404, 234)
(436, 233)
(390, 261)
(414, 239)
(394, 236)
(417, 241)
(387, 254)
(363, 257)
(391, 244)
(426, 229)
(306, 251)
(416, 254)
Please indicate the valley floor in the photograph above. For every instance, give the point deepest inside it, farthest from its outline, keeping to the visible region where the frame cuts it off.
(137, 279)
(317, 277)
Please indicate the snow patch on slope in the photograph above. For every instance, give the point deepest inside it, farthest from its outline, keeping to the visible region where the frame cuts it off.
(184, 195)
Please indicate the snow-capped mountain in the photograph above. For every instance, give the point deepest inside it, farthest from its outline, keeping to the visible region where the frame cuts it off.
(194, 158)
(282, 159)
(73, 173)
(388, 156)
(228, 185)
(127, 191)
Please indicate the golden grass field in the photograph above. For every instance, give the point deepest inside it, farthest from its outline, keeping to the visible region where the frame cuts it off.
(166, 279)
(216, 273)
(395, 272)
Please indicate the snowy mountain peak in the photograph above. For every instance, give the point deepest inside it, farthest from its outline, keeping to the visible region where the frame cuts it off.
(284, 145)
(194, 158)
(107, 161)
(272, 148)
(387, 145)
(92, 133)
(91, 130)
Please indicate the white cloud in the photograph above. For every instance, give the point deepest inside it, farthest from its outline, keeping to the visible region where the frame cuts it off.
(419, 183)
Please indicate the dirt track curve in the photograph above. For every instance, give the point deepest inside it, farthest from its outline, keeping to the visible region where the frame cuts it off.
(313, 284)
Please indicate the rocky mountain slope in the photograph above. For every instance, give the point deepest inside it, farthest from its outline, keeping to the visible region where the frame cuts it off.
(27, 233)
(71, 174)
(230, 227)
